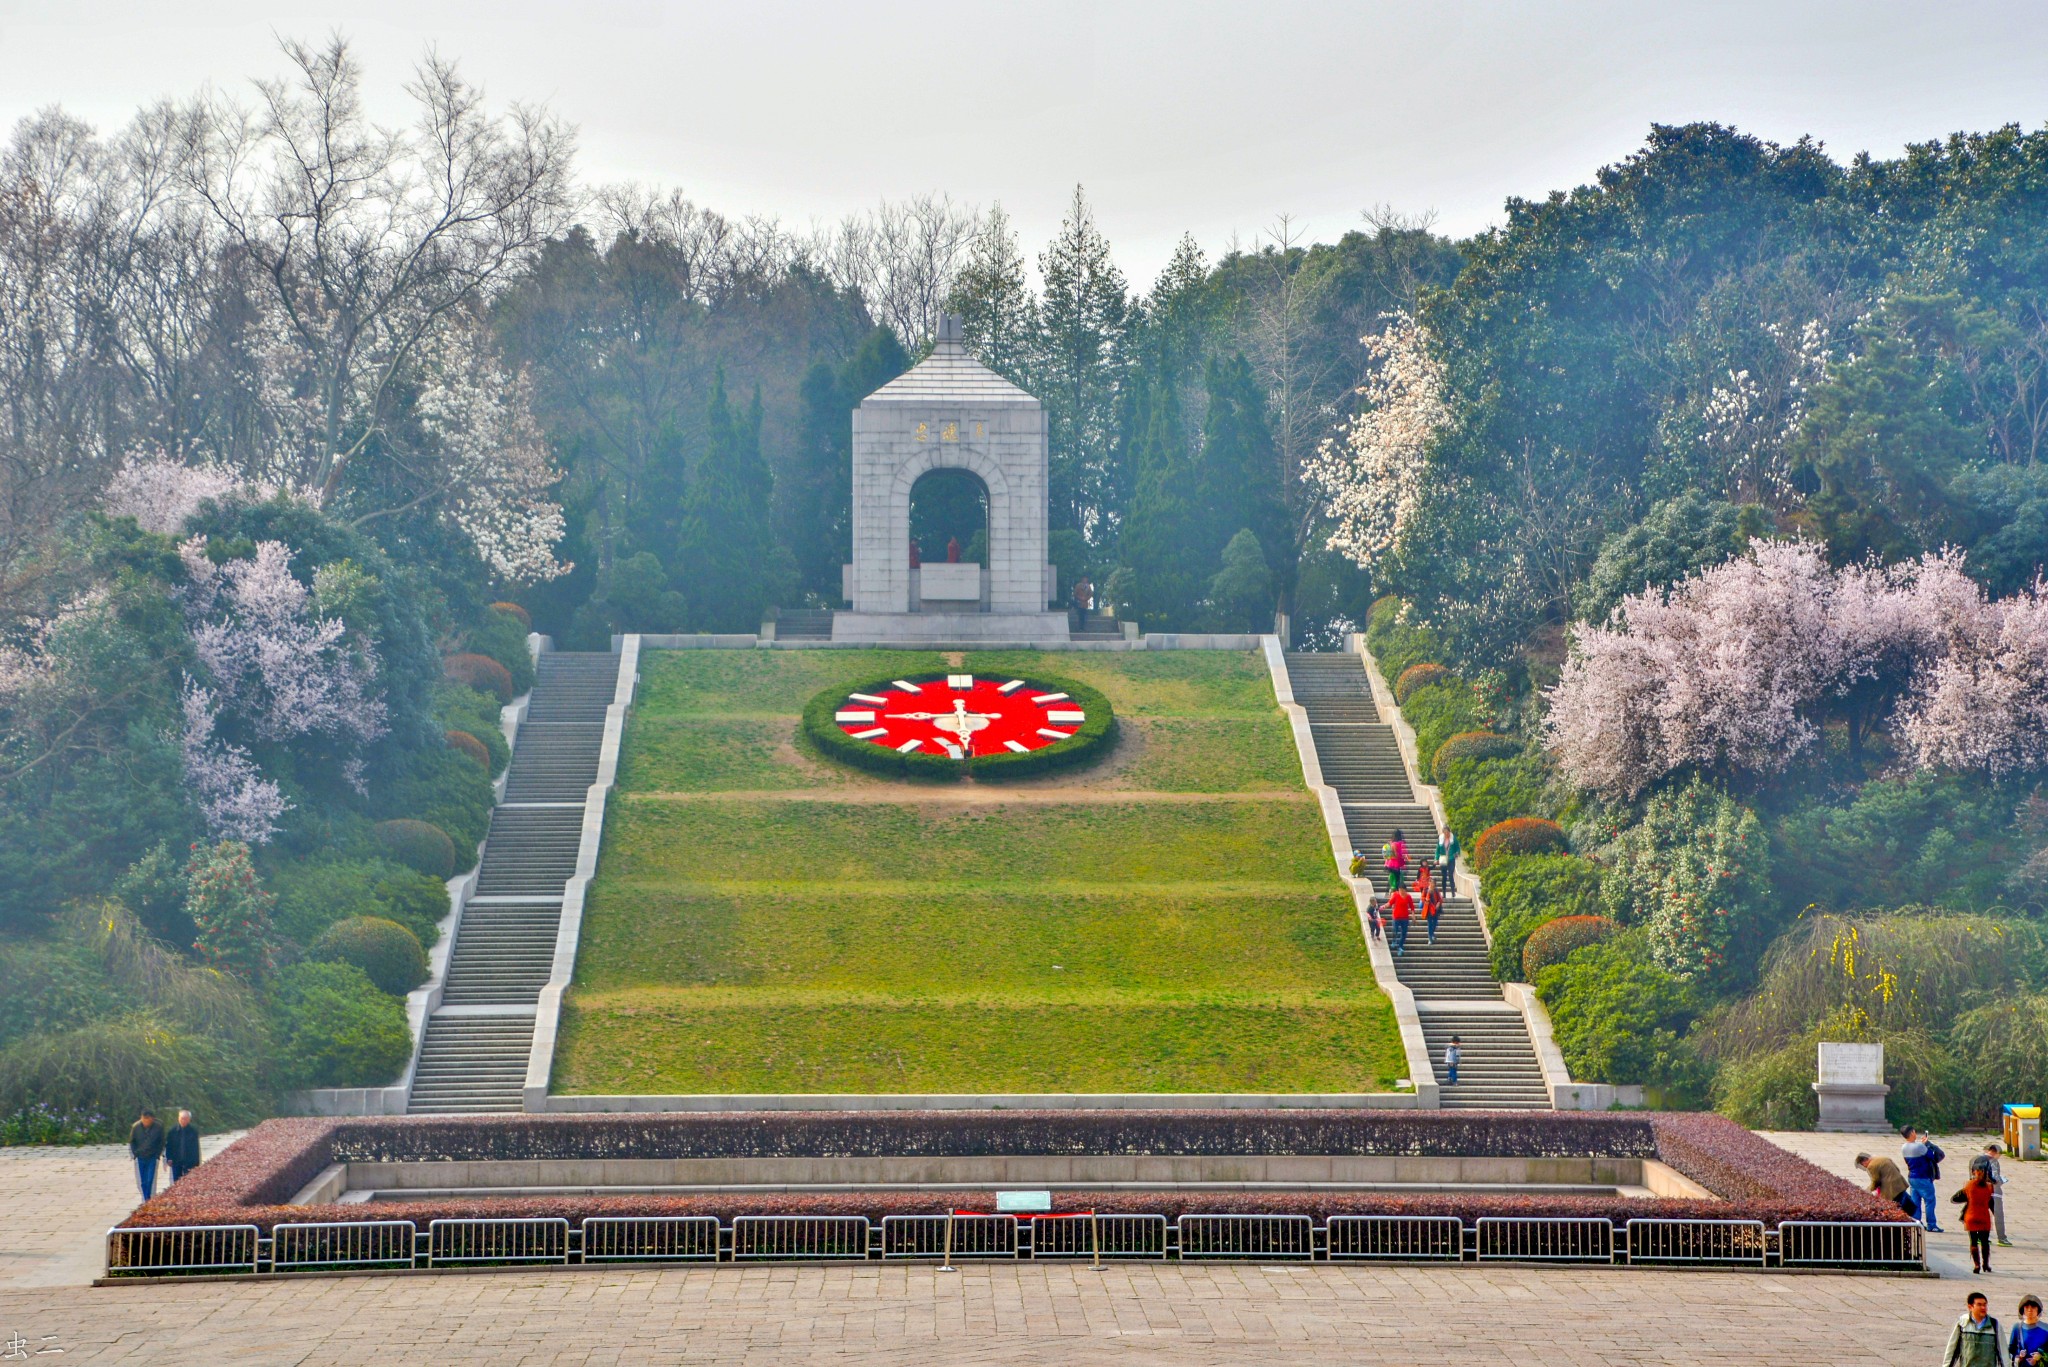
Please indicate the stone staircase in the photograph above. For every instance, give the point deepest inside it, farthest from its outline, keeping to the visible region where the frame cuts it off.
(803, 624)
(477, 1043)
(1452, 981)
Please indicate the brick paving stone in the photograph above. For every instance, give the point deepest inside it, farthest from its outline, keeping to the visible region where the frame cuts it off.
(57, 1203)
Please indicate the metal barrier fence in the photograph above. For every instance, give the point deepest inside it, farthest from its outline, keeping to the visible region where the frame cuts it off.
(1113, 1236)
(1837, 1243)
(949, 1236)
(193, 1250)
(1247, 1236)
(470, 1242)
(197, 1250)
(1676, 1242)
(1403, 1238)
(342, 1244)
(650, 1239)
(766, 1238)
(1545, 1239)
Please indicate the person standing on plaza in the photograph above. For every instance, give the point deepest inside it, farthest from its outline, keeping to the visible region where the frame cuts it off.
(181, 1147)
(1976, 1202)
(146, 1147)
(1887, 1181)
(1400, 907)
(1991, 1152)
(1974, 1340)
(1923, 1166)
(1454, 1054)
(2028, 1346)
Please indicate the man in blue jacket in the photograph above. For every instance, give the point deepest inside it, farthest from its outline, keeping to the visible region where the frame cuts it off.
(1923, 1167)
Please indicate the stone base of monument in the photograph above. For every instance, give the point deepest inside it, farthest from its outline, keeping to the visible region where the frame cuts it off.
(950, 628)
(1852, 1108)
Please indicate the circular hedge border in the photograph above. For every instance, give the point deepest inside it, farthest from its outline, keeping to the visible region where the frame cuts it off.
(1089, 743)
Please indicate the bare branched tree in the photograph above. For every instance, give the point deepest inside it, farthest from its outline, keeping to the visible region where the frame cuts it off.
(903, 259)
(359, 241)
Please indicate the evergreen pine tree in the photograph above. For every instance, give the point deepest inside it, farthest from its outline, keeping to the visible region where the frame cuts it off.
(729, 553)
(819, 508)
(1241, 593)
(1077, 370)
(1235, 483)
(993, 299)
(1164, 571)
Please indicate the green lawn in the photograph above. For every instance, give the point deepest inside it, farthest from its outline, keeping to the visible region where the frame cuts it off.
(1132, 926)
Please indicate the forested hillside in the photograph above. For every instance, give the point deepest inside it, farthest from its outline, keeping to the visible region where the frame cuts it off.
(1713, 488)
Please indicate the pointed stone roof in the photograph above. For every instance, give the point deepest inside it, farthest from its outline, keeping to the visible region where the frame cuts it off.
(950, 375)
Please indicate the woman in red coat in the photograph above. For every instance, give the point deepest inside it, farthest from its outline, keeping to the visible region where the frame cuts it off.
(1976, 1198)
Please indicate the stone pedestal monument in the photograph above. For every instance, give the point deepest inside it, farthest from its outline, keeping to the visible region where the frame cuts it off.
(1852, 1088)
(949, 411)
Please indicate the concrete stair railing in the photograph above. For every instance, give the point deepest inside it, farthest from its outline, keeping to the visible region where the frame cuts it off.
(1451, 981)
(474, 1054)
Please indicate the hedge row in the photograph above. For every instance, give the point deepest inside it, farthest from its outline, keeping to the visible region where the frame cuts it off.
(250, 1181)
(1089, 743)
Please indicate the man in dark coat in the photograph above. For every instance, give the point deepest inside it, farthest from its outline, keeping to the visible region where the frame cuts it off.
(181, 1146)
(146, 1147)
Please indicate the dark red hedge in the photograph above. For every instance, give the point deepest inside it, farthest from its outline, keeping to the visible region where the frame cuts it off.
(250, 1181)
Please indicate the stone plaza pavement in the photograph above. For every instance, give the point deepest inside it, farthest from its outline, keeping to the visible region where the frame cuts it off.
(54, 1205)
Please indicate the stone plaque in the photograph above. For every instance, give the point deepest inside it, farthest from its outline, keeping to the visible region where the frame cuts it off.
(1851, 1065)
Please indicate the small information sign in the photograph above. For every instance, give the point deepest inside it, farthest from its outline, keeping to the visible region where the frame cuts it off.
(1022, 1202)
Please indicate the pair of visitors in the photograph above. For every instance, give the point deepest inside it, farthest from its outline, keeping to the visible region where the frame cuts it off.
(1974, 1342)
(1395, 855)
(1400, 908)
(1454, 1054)
(1887, 1181)
(1975, 1199)
(2028, 1346)
(150, 1144)
(1923, 1169)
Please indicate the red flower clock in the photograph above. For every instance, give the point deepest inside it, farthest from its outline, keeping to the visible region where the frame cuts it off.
(961, 715)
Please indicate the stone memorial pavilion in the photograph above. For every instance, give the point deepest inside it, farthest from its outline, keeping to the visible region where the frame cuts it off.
(949, 412)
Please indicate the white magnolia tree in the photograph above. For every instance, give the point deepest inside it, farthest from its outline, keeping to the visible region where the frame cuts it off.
(1373, 472)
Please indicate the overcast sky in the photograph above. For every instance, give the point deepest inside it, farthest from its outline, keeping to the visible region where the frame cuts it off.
(1209, 118)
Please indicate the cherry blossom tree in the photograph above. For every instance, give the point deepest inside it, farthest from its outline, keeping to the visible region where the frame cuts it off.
(1734, 669)
(1372, 472)
(1984, 705)
(161, 493)
(232, 795)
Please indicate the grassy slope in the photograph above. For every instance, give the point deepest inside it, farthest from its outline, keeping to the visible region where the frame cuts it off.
(879, 935)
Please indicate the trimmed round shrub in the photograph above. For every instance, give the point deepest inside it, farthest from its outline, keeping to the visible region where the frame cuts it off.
(503, 638)
(1094, 739)
(1553, 941)
(445, 788)
(334, 1028)
(389, 954)
(459, 708)
(1519, 835)
(1472, 745)
(1418, 676)
(1524, 891)
(524, 617)
(419, 845)
(465, 744)
(314, 894)
(480, 672)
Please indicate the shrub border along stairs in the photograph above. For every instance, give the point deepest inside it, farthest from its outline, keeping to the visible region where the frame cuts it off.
(423, 1000)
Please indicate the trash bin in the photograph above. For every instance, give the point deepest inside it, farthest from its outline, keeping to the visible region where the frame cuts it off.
(2023, 1131)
